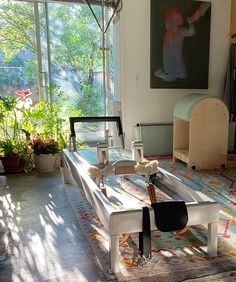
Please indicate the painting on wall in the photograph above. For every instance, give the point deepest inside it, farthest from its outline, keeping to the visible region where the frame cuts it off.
(180, 39)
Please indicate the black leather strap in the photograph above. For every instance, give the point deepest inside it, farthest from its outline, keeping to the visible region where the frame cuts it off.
(145, 236)
(170, 216)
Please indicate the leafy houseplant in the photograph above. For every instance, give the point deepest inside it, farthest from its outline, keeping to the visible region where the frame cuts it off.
(45, 119)
(49, 120)
(20, 119)
(11, 145)
(42, 146)
(11, 158)
(14, 154)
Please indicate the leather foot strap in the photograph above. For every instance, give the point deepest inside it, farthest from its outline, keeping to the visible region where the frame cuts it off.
(145, 236)
(152, 193)
(104, 191)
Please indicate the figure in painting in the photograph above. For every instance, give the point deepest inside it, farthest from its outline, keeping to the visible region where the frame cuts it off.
(173, 39)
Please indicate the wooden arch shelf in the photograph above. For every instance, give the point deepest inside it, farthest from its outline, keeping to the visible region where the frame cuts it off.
(200, 136)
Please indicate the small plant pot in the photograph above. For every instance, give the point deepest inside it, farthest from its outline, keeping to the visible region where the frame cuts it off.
(10, 163)
(44, 163)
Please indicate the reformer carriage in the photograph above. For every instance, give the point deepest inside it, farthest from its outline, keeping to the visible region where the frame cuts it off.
(121, 214)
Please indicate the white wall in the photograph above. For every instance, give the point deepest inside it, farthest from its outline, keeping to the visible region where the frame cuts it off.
(139, 102)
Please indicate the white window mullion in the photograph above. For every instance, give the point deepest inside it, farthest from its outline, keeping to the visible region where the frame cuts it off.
(41, 74)
(48, 50)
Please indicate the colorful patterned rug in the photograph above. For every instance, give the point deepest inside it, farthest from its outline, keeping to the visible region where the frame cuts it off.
(174, 257)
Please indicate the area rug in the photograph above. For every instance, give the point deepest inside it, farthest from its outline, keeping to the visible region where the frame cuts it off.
(174, 257)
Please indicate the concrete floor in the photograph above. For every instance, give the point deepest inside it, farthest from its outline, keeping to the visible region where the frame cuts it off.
(40, 239)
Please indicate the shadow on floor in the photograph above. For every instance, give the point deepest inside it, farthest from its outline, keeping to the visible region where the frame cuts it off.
(39, 236)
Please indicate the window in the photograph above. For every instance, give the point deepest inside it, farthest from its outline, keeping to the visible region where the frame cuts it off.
(55, 50)
(18, 50)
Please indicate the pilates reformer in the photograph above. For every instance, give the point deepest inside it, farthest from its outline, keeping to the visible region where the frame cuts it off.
(90, 167)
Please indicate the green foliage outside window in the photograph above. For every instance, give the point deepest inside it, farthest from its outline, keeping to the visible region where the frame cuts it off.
(75, 49)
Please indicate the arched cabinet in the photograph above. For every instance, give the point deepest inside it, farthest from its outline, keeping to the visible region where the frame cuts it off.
(200, 136)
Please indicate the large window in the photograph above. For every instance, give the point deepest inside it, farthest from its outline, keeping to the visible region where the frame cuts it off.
(55, 50)
(76, 56)
(18, 49)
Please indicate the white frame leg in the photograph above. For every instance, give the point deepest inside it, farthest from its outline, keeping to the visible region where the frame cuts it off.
(66, 172)
(114, 253)
(212, 239)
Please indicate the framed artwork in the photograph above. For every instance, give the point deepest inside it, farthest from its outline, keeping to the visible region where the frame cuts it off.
(180, 39)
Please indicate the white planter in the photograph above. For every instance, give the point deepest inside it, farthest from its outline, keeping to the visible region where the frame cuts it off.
(44, 163)
(58, 161)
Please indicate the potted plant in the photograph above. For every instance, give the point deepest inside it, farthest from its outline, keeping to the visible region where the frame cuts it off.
(46, 120)
(45, 151)
(10, 154)
(11, 141)
(21, 119)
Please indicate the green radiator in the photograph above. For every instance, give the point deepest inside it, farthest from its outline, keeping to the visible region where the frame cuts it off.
(157, 138)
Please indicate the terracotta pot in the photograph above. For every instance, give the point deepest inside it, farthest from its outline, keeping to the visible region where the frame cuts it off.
(44, 163)
(11, 163)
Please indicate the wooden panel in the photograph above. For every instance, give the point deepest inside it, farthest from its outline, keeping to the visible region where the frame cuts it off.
(233, 18)
(182, 155)
(181, 134)
(208, 137)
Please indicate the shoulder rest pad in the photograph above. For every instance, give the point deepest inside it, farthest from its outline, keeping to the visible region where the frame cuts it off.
(124, 163)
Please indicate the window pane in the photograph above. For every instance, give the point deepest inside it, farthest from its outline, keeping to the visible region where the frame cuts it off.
(18, 60)
(77, 65)
(76, 57)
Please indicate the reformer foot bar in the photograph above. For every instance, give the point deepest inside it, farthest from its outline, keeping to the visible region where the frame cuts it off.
(201, 209)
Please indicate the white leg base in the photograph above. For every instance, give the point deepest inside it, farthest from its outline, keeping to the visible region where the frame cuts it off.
(212, 239)
(66, 173)
(114, 253)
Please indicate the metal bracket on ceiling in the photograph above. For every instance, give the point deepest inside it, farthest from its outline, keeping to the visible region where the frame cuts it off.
(116, 6)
